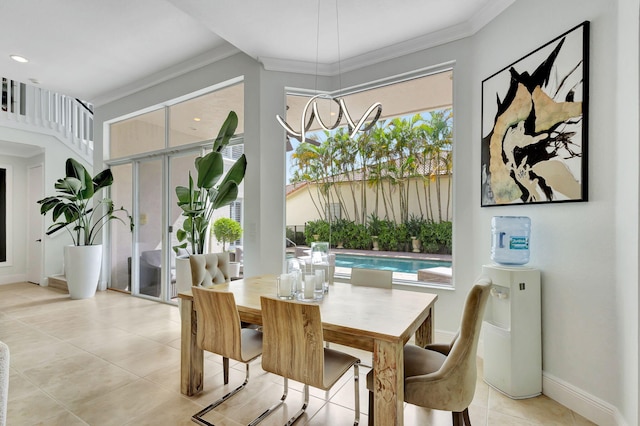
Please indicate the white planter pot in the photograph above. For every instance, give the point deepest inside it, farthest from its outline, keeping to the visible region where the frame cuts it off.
(234, 269)
(82, 270)
(415, 244)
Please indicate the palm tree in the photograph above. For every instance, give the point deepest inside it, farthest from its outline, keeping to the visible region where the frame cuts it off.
(380, 158)
(406, 134)
(439, 135)
(344, 162)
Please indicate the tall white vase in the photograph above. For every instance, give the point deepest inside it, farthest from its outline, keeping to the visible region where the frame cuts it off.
(82, 270)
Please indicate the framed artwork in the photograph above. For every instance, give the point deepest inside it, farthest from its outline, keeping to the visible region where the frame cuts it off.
(534, 125)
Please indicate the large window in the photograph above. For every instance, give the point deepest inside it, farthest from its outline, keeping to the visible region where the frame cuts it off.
(383, 197)
(152, 153)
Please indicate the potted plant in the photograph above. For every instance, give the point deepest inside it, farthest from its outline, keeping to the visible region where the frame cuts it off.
(337, 232)
(75, 210)
(227, 230)
(203, 196)
(374, 230)
(414, 228)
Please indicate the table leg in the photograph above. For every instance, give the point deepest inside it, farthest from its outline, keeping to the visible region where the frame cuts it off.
(191, 356)
(388, 383)
(425, 333)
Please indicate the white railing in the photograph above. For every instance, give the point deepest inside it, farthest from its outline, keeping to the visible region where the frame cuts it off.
(32, 108)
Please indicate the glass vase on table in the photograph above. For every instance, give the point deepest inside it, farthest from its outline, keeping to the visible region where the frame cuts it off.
(320, 262)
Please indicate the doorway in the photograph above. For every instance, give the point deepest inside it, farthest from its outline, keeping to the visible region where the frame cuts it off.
(143, 262)
(35, 182)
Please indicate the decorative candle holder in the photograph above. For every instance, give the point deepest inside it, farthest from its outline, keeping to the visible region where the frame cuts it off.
(284, 286)
(308, 289)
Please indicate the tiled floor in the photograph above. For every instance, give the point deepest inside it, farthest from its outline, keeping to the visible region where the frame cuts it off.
(115, 360)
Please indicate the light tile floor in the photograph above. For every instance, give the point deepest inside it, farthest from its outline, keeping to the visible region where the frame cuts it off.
(115, 360)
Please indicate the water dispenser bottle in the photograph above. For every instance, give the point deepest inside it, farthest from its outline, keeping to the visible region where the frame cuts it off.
(510, 239)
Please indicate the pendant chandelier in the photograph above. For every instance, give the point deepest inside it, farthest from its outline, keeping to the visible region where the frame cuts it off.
(310, 110)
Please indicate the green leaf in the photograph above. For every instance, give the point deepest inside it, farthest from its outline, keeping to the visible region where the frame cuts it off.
(236, 172)
(55, 228)
(226, 132)
(69, 185)
(227, 193)
(75, 169)
(102, 180)
(210, 168)
(183, 194)
(48, 203)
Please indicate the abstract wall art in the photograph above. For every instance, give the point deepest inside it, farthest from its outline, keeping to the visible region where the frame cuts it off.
(534, 125)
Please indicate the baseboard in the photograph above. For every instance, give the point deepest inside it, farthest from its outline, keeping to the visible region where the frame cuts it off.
(12, 279)
(588, 406)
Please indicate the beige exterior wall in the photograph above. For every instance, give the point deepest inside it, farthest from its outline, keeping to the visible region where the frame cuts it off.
(300, 206)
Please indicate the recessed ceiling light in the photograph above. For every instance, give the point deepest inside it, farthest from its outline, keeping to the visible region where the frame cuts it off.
(196, 118)
(19, 58)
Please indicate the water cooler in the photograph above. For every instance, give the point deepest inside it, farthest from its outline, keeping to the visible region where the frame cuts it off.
(512, 331)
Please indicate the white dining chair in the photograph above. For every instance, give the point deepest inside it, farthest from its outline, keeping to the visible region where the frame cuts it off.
(379, 278)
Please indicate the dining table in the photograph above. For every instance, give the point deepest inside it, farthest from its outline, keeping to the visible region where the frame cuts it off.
(377, 320)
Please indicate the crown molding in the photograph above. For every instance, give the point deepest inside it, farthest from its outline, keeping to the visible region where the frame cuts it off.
(216, 54)
(437, 38)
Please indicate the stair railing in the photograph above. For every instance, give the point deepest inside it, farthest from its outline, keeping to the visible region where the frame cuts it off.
(35, 109)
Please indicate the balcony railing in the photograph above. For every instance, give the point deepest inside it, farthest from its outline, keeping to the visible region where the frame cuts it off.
(34, 109)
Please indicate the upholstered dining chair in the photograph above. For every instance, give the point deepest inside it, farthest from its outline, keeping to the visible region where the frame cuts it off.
(219, 332)
(371, 277)
(443, 376)
(208, 270)
(293, 349)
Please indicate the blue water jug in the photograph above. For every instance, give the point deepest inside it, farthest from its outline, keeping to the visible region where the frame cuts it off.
(510, 239)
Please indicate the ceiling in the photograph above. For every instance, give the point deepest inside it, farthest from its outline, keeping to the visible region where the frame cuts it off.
(100, 50)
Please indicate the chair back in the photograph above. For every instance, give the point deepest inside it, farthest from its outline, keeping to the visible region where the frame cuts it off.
(218, 322)
(458, 374)
(371, 277)
(209, 269)
(292, 344)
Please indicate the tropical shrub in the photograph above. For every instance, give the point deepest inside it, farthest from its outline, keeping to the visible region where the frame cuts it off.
(316, 227)
(226, 230)
(435, 237)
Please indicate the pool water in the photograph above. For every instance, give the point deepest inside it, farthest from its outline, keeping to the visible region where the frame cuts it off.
(393, 264)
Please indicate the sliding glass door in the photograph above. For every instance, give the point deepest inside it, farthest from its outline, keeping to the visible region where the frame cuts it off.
(148, 240)
(151, 154)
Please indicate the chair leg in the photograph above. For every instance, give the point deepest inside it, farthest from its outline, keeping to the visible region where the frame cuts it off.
(356, 381)
(271, 409)
(305, 404)
(370, 408)
(465, 415)
(458, 419)
(225, 370)
(197, 418)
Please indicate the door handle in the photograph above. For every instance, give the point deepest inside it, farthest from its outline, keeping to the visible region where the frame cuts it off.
(39, 240)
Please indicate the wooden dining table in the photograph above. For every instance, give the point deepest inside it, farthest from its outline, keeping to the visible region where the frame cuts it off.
(377, 320)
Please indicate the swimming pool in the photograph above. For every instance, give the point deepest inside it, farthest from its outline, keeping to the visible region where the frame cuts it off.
(388, 263)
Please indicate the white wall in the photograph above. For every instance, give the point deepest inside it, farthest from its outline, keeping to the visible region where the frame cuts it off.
(626, 218)
(587, 252)
(14, 270)
(575, 244)
(55, 155)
